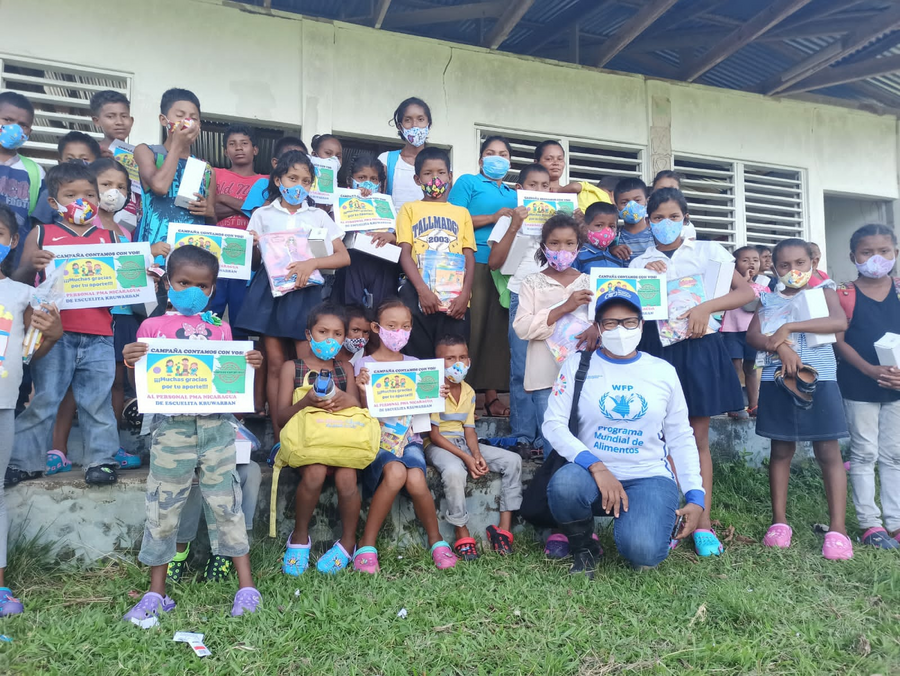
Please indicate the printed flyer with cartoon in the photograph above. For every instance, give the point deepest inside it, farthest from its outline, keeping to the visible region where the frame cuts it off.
(401, 388)
(541, 206)
(104, 275)
(353, 212)
(180, 377)
(233, 248)
(650, 287)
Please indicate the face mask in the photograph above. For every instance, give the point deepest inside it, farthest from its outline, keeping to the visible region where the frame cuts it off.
(186, 123)
(354, 345)
(324, 349)
(394, 340)
(12, 136)
(78, 212)
(666, 231)
(601, 238)
(495, 166)
(435, 187)
(295, 195)
(4, 252)
(633, 213)
(796, 279)
(112, 200)
(416, 136)
(560, 260)
(188, 302)
(368, 185)
(621, 341)
(875, 267)
(456, 373)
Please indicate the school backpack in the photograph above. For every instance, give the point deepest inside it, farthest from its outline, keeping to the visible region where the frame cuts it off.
(34, 182)
(846, 292)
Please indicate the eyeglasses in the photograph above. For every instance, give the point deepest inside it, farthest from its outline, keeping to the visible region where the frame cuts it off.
(628, 323)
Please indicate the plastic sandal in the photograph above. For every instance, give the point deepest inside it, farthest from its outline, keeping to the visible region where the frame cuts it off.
(466, 549)
(751, 411)
(807, 379)
(217, 568)
(738, 415)
(878, 537)
(127, 460)
(366, 560)
(15, 475)
(442, 555)
(557, 546)
(789, 384)
(837, 547)
(246, 600)
(57, 462)
(296, 558)
(778, 535)
(145, 613)
(9, 604)
(489, 413)
(501, 540)
(178, 565)
(132, 416)
(706, 543)
(334, 560)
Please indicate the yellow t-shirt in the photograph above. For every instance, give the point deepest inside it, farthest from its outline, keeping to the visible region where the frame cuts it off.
(590, 194)
(457, 415)
(440, 226)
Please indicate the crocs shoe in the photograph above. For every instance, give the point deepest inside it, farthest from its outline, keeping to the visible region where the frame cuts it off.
(366, 560)
(878, 537)
(270, 461)
(9, 604)
(706, 543)
(101, 476)
(127, 460)
(178, 565)
(145, 612)
(218, 568)
(557, 546)
(246, 600)
(296, 558)
(837, 547)
(501, 540)
(442, 555)
(14, 475)
(57, 462)
(334, 560)
(132, 416)
(778, 535)
(466, 549)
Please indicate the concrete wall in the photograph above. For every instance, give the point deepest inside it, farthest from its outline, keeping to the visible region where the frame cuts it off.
(329, 76)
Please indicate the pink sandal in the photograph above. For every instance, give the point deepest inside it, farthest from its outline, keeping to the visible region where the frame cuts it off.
(442, 555)
(837, 547)
(778, 535)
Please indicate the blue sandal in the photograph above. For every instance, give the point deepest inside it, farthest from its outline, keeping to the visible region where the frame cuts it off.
(706, 543)
(57, 462)
(296, 558)
(334, 560)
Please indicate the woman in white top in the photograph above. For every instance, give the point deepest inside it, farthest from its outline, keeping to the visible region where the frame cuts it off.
(413, 122)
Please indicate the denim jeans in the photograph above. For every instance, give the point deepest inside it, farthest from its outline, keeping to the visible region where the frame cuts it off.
(539, 400)
(87, 363)
(523, 417)
(250, 477)
(643, 533)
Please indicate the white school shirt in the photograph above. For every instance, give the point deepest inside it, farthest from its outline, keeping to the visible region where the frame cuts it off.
(275, 218)
(527, 266)
(689, 259)
(626, 411)
(403, 185)
(15, 298)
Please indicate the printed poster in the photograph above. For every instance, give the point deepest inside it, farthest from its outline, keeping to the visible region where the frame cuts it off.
(650, 286)
(407, 387)
(353, 212)
(123, 153)
(233, 248)
(541, 206)
(187, 377)
(325, 182)
(104, 275)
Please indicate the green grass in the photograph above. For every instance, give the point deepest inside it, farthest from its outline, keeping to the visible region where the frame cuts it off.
(750, 611)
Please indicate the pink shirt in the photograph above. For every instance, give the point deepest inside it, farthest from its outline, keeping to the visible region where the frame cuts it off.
(237, 186)
(174, 325)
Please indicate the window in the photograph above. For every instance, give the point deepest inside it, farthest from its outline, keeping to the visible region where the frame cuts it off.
(61, 97)
(739, 203)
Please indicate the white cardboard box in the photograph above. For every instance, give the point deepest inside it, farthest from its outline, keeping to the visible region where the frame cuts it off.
(320, 246)
(520, 247)
(888, 349)
(717, 278)
(243, 446)
(191, 181)
(811, 304)
(361, 241)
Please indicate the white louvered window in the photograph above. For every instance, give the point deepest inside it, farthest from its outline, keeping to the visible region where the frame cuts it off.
(709, 187)
(61, 96)
(773, 204)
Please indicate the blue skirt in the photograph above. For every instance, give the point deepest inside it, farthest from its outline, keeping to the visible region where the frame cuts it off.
(124, 332)
(413, 458)
(780, 419)
(283, 317)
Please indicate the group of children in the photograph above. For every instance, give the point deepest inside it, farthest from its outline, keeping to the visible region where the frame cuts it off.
(373, 310)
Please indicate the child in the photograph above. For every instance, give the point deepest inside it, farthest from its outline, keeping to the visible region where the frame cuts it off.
(766, 276)
(15, 314)
(161, 169)
(734, 331)
(111, 112)
(389, 474)
(325, 333)
(453, 449)
(601, 222)
(551, 155)
(277, 319)
(523, 416)
(327, 145)
(635, 236)
(358, 326)
(433, 224)
(818, 276)
(183, 443)
(84, 358)
(704, 368)
(871, 392)
(368, 279)
(259, 192)
(799, 398)
(544, 298)
(412, 120)
(666, 179)
(78, 146)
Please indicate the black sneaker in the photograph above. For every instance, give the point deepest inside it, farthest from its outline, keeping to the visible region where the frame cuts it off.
(15, 475)
(218, 568)
(101, 476)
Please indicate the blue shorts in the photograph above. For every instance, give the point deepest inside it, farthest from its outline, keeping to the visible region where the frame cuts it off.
(736, 344)
(413, 458)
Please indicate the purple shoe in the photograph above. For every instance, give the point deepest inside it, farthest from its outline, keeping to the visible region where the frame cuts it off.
(245, 601)
(145, 613)
(9, 604)
(557, 546)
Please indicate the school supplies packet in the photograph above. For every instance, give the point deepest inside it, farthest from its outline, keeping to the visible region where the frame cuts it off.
(443, 272)
(682, 295)
(564, 339)
(279, 250)
(888, 349)
(395, 433)
(780, 309)
(50, 291)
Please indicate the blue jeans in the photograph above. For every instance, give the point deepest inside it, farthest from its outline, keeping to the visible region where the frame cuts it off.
(643, 533)
(87, 363)
(539, 400)
(523, 417)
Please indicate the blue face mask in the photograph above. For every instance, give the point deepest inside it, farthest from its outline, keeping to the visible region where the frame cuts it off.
(324, 349)
(633, 213)
(368, 185)
(4, 252)
(295, 195)
(666, 231)
(12, 136)
(188, 302)
(495, 166)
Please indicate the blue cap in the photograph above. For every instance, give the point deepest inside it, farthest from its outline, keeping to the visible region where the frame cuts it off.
(618, 293)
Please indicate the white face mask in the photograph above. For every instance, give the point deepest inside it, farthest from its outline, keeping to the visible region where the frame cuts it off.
(112, 200)
(621, 341)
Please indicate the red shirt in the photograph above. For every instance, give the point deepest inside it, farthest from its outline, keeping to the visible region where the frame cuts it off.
(237, 186)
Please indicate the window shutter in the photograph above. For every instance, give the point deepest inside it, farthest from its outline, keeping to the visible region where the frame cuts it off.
(773, 204)
(709, 186)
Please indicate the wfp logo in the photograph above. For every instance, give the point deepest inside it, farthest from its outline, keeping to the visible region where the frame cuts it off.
(623, 406)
